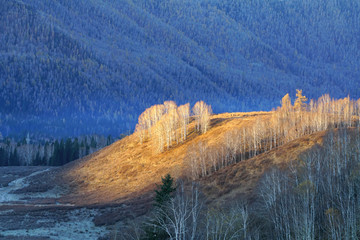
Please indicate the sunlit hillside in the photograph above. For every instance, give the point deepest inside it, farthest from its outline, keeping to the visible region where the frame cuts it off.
(289, 162)
(127, 168)
(241, 180)
(256, 141)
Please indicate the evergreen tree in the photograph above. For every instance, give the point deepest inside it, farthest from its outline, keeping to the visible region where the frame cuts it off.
(93, 143)
(162, 198)
(164, 192)
(14, 159)
(68, 151)
(87, 147)
(3, 157)
(55, 159)
(7, 142)
(109, 140)
(44, 159)
(82, 148)
(62, 155)
(75, 150)
(37, 160)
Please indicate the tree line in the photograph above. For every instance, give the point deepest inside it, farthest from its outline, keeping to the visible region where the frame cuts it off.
(55, 153)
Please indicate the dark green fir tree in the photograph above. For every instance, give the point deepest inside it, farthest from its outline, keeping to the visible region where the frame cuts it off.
(164, 193)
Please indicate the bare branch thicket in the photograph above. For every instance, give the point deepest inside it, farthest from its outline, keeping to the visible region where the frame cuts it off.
(229, 223)
(131, 230)
(180, 218)
(317, 197)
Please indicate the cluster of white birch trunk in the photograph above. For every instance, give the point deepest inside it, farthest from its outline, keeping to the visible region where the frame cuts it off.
(286, 123)
(318, 196)
(186, 217)
(167, 124)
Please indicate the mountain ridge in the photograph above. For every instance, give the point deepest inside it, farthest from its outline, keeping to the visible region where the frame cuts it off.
(81, 67)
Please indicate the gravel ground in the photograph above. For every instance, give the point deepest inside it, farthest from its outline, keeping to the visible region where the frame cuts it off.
(29, 208)
(51, 224)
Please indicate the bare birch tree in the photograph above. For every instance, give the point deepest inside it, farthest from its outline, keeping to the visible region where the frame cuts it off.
(180, 218)
(202, 113)
(184, 116)
(228, 223)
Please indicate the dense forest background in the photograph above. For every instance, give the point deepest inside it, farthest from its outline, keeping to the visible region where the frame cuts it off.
(49, 152)
(71, 68)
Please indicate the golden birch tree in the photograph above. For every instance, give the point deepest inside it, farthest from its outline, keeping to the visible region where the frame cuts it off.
(300, 104)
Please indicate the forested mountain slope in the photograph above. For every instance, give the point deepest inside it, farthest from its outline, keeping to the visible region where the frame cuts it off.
(68, 68)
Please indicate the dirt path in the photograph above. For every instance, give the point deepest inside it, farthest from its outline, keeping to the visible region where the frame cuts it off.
(7, 193)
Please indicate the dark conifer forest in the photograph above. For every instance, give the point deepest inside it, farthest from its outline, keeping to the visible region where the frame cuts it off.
(81, 67)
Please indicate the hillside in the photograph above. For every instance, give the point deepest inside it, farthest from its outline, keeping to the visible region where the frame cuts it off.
(78, 68)
(200, 146)
(242, 179)
(127, 170)
(117, 183)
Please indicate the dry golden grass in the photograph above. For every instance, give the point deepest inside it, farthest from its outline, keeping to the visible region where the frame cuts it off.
(240, 179)
(127, 169)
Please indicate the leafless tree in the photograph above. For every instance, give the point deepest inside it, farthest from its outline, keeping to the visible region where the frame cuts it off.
(130, 230)
(184, 115)
(180, 218)
(316, 197)
(197, 156)
(202, 113)
(228, 223)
